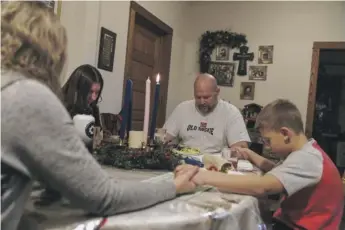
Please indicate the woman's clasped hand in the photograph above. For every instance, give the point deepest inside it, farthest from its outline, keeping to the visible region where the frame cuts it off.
(187, 178)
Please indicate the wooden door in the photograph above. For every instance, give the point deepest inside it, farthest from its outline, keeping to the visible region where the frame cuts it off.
(313, 80)
(145, 61)
(148, 40)
(312, 92)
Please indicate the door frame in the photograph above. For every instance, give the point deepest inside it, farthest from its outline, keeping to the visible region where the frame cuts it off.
(313, 80)
(164, 67)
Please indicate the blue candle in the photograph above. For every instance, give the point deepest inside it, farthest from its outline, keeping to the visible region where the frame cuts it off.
(126, 109)
(155, 110)
(129, 123)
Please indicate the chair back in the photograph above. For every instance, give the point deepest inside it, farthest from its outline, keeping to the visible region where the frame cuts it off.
(110, 123)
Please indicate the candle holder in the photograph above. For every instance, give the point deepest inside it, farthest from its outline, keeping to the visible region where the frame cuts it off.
(151, 145)
(148, 148)
(145, 147)
(122, 144)
(149, 141)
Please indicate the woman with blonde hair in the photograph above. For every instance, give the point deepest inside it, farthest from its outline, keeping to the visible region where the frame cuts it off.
(38, 139)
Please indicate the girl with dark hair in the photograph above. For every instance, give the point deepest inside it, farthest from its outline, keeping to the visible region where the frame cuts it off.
(80, 95)
(83, 90)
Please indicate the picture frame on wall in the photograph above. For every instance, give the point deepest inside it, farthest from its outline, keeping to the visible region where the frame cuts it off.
(222, 53)
(265, 54)
(258, 73)
(106, 51)
(247, 90)
(56, 6)
(224, 72)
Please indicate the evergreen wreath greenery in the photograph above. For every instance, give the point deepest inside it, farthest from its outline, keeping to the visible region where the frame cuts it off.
(209, 41)
(159, 157)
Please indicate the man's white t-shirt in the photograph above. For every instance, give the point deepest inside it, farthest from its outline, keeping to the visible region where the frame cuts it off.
(210, 133)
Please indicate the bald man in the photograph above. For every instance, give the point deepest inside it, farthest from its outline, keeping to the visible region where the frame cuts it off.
(207, 123)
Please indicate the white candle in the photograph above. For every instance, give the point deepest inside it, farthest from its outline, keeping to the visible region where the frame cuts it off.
(147, 108)
(158, 78)
(135, 139)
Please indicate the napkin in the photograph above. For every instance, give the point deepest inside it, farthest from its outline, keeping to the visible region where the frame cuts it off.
(244, 165)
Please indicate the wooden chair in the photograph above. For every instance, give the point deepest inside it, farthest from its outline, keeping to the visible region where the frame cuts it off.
(250, 113)
(110, 123)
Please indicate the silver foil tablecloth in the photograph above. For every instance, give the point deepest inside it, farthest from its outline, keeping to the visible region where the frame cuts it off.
(202, 210)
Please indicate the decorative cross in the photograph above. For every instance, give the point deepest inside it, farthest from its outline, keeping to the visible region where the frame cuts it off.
(243, 57)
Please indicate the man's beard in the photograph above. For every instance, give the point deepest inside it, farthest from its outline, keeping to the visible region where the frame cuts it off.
(205, 109)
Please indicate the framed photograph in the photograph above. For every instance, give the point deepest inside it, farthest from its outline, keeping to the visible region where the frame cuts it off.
(265, 55)
(223, 72)
(55, 5)
(247, 90)
(222, 53)
(258, 73)
(106, 51)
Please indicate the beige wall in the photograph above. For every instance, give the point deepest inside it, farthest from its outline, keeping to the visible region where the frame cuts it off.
(291, 27)
(83, 20)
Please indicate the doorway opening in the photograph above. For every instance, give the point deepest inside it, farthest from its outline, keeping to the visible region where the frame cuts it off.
(326, 104)
(148, 53)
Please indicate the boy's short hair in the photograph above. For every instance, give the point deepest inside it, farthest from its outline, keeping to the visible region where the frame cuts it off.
(280, 113)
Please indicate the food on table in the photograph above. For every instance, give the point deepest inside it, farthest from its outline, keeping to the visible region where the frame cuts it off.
(187, 150)
(216, 163)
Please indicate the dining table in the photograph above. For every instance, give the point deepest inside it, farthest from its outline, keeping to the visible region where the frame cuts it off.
(205, 208)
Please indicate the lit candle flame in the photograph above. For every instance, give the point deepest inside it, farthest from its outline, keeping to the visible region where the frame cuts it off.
(158, 78)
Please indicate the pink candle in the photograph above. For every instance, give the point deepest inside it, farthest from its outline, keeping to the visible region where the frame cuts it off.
(147, 108)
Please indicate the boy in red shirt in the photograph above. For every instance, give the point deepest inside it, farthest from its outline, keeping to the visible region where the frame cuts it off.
(309, 181)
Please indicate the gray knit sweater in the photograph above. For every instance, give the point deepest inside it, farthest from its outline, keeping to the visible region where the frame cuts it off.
(38, 131)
